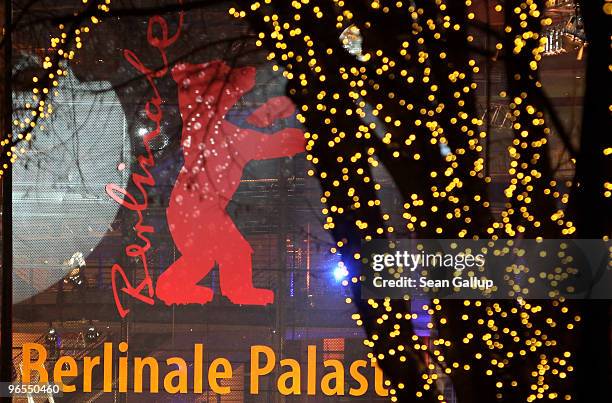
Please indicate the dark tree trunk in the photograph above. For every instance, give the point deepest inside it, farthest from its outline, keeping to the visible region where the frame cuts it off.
(592, 208)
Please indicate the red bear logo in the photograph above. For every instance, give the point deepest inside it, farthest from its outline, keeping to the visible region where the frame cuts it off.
(216, 152)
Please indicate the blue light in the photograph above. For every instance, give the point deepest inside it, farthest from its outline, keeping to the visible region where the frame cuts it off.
(340, 272)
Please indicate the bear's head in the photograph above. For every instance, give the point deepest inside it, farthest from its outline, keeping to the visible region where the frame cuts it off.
(214, 82)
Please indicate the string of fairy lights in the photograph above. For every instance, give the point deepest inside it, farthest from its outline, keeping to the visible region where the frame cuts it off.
(63, 47)
(526, 173)
(426, 116)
